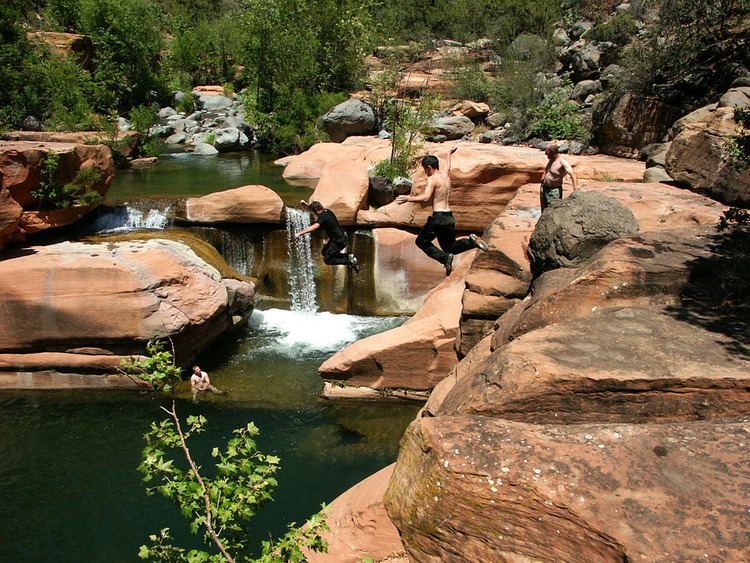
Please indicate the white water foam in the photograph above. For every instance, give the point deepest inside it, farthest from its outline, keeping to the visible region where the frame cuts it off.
(128, 218)
(295, 333)
(302, 290)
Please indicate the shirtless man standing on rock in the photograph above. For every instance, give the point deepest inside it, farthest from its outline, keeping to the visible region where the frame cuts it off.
(554, 174)
(440, 224)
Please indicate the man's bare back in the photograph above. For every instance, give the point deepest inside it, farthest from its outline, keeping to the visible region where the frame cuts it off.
(441, 189)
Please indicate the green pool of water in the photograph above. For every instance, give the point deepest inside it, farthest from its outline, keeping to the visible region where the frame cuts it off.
(184, 175)
(69, 489)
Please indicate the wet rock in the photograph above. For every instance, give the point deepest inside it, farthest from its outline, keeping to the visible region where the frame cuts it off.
(147, 162)
(350, 118)
(570, 492)
(248, 204)
(569, 232)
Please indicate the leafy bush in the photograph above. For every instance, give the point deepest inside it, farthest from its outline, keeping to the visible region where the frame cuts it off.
(142, 119)
(52, 192)
(556, 117)
(186, 104)
(406, 124)
(472, 83)
(218, 507)
(686, 57)
(157, 369)
(738, 148)
(618, 29)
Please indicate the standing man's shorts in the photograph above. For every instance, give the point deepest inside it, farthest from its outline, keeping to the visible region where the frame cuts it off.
(549, 194)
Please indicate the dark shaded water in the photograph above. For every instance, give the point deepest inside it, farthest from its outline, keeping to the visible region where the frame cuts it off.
(69, 489)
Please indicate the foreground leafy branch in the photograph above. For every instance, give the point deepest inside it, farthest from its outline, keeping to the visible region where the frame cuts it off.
(218, 507)
(156, 370)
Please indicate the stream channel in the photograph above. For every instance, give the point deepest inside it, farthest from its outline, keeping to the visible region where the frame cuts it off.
(69, 488)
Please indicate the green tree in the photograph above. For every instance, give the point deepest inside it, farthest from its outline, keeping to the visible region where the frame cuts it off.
(218, 507)
(128, 42)
(157, 369)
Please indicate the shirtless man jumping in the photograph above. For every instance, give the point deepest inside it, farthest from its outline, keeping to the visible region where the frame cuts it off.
(554, 174)
(440, 224)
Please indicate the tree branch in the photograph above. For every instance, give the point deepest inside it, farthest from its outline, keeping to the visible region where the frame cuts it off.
(209, 526)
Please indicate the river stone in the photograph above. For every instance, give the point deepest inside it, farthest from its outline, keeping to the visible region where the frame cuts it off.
(213, 103)
(352, 117)
(569, 232)
(656, 174)
(176, 139)
(452, 127)
(380, 191)
(164, 113)
(161, 131)
(204, 149)
(585, 88)
(31, 123)
(227, 138)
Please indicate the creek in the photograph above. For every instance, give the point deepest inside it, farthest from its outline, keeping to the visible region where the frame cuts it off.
(69, 489)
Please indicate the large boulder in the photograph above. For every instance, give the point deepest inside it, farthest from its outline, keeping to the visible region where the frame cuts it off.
(359, 525)
(125, 141)
(228, 138)
(414, 356)
(474, 488)
(350, 118)
(248, 204)
(81, 301)
(571, 231)
(213, 102)
(452, 127)
(697, 155)
(584, 370)
(500, 277)
(473, 110)
(22, 170)
(623, 124)
(654, 270)
(204, 149)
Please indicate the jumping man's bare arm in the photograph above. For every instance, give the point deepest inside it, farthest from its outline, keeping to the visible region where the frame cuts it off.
(429, 191)
(448, 159)
(310, 229)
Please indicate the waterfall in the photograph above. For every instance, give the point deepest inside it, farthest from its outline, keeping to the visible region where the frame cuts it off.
(131, 218)
(238, 250)
(302, 291)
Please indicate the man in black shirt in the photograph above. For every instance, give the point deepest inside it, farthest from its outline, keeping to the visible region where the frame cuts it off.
(337, 239)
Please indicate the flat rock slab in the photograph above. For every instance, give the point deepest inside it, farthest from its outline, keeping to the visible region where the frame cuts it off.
(469, 488)
(619, 365)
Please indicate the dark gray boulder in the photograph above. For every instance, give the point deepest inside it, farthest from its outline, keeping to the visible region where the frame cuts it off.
(352, 117)
(452, 127)
(571, 231)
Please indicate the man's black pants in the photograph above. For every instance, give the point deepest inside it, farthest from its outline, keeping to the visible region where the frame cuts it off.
(441, 225)
(332, 252)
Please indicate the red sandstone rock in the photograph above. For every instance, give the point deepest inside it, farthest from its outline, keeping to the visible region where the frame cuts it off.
(500, 277)
(360, 526)
(10, 215)
(209, 90)
(415, 355)
(115, 296)
(616, 365)
(126, 141)
(472, 488)
(248, 204)
(651, 269)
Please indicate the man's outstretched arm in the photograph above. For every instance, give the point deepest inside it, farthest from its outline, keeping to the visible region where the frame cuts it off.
(448, 162)
(310, 229)
(569, 169)
(426, 196)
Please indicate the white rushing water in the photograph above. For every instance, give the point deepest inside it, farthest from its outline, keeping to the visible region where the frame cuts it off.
(127, 218)
(304, 333)
(302, 291)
